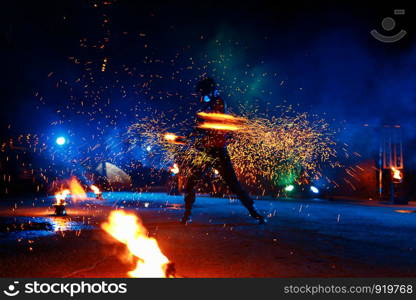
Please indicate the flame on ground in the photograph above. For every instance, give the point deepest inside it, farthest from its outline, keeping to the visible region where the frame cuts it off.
(61, 196)
(77, 191)
(128, 229)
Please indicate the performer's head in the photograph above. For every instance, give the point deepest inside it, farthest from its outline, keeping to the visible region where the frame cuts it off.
(207, 88)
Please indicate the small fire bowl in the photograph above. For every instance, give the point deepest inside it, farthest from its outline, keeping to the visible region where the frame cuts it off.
(60, 210)
(170, 270)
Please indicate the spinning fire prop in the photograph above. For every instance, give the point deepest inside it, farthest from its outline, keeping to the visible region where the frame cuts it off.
(128, 229)
(219, 126)
(174, 139)
(222, 122)
(268, 151)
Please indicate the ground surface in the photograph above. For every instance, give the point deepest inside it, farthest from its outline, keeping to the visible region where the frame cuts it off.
(303, 238)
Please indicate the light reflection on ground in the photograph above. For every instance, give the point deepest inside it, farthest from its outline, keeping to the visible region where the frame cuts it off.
(32, 227)
(30, 218)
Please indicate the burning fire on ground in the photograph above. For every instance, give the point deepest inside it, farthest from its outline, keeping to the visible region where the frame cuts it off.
(74, 189)
(76, 192)
(61, 197)
(60, 203)
(128, 229)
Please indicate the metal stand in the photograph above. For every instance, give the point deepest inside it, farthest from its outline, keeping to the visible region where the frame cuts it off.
(60, 210)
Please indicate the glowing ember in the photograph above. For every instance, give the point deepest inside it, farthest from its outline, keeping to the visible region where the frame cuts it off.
(96, 191)
(397, 175)
(128, 229)
(77, 191)
(104, 65)
(61, 196)
(174, 169)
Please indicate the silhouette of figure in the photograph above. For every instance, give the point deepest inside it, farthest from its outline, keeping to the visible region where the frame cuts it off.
(213, 144)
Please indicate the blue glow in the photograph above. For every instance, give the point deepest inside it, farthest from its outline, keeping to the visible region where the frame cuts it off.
(148, 148)
(61, 141)
(314, 190)
(207, 99)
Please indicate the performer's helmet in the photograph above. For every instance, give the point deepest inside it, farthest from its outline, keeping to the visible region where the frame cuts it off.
(206, 86)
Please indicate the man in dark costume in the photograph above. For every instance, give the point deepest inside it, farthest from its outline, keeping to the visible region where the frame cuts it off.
(213, 144)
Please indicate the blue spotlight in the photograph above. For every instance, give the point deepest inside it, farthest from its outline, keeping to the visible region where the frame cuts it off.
(61, 141)
(314, 190)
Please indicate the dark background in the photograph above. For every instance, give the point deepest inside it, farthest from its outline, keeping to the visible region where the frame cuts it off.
(318, 56)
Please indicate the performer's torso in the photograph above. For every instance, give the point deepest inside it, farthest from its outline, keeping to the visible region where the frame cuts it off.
(214, 138)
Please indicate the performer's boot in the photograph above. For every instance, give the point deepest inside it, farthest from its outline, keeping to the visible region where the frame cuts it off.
(255, 214)
(186, 219)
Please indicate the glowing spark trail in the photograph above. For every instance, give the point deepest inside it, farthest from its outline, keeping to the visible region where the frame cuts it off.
(266, 153)
(219, 126)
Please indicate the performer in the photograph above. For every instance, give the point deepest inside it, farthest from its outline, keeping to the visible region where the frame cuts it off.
(213, 144)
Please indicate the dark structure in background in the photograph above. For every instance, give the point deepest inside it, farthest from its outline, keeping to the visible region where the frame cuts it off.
(376, 168)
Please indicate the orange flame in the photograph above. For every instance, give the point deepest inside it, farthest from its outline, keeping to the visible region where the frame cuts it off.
(220, 121)
(170, 136)
(77, 191)
(219, 126)
(128, 229)
(396, 173)
(173, 138)
(220, 117)
(61, 196)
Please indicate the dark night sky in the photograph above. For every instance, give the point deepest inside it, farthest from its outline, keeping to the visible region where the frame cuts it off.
(322, 50)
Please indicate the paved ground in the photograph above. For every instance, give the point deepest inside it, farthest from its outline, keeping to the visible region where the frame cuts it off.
(304, 238)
